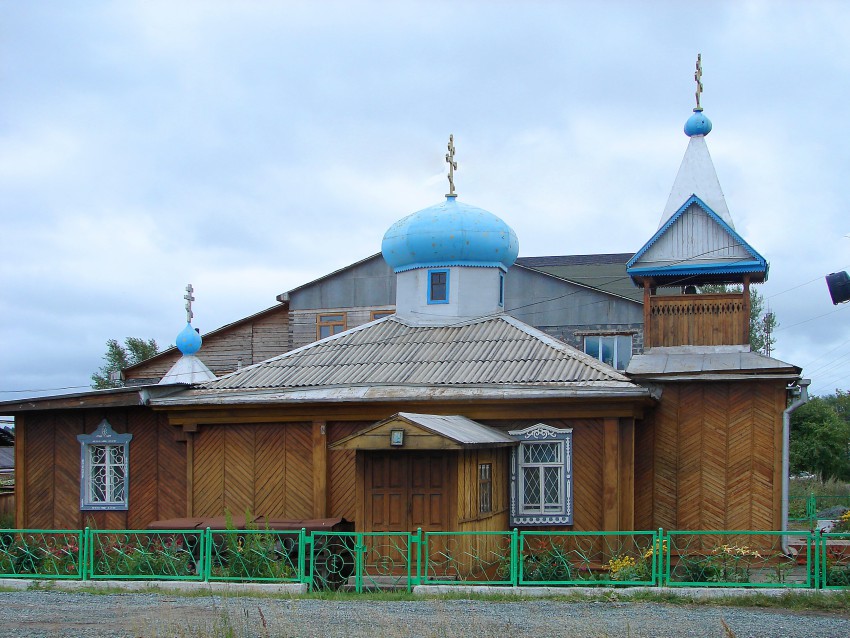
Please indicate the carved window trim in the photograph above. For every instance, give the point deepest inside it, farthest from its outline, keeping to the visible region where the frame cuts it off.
(104, 469)
(522, 515)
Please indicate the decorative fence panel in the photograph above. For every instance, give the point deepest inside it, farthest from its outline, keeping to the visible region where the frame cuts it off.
(41, 553)
(589, 558)
(327, 560)
(711, 558)
(254, 555)
(143, 554)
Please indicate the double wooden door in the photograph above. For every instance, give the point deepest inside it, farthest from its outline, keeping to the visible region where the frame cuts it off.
(404, 491)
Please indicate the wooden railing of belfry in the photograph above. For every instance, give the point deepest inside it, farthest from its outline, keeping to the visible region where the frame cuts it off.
(698, 320)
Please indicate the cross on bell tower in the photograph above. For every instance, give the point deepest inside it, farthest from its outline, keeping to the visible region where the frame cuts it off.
(189, 299)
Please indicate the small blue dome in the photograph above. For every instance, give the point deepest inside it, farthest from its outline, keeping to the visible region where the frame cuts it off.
(189, 341)
(450, 234)
(697, 124)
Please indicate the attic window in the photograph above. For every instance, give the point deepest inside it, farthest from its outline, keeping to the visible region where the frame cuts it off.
(327, 325)
(438, 286)
(104, 465)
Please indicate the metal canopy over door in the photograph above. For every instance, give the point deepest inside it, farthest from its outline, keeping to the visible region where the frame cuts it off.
(407, 490)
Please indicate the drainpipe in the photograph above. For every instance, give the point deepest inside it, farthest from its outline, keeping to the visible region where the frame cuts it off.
(800, 390)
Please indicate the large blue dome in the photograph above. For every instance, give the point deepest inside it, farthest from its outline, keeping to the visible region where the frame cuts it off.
(450, 234)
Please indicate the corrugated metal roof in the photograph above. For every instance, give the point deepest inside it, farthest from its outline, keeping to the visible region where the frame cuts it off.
(459, 428)
(496, 350)
(685, 361)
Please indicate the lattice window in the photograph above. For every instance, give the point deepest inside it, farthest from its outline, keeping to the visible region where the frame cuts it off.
(104, 464)
(485, 488)
(541, 476)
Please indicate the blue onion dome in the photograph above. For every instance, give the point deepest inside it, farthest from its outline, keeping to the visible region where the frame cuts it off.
(697, 124)
(189, 341)
(450, 234)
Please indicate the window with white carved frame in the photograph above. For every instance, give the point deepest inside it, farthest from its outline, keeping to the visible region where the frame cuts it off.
(104, 465)
(541, 476)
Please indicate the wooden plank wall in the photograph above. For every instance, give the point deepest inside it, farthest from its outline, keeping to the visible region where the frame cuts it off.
(698, 320)
(266, 468)
(51, 482)
(469, 518)
(254, 341)
(342, 482)
(302, 323)
(713, 456)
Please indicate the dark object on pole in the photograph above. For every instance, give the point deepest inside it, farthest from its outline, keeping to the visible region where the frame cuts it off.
(839, 287)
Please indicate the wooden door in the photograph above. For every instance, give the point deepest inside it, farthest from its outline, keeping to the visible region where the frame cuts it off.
(405, 491)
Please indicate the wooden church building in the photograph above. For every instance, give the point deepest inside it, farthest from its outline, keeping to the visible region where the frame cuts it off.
(449, 413)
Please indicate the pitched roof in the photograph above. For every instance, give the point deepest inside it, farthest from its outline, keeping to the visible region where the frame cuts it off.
(604, 272)
(494, 354)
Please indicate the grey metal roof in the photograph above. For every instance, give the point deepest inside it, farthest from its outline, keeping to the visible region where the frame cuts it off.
(459, 428)
(707, 361)
(603, 272)
(495, 350)
(483, 356)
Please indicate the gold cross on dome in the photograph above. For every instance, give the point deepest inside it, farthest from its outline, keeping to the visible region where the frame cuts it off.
(189, 299)
(698, 78)
(450, 159)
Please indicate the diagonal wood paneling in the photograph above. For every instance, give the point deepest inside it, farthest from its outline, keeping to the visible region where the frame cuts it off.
(341, 471)
(740, 463)
(644, 472)
(208, 472)
(269, 485)
(143, 465)
(666, 470)
(239, 468)
(171, 471)
(299, 470)
(587, 473)
(714, 454)
(690, 457)
(66, 471)
(39, 468)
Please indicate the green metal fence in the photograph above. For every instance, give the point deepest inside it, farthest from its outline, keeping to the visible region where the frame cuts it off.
(41, 553)
(711, 558)
(589, 558)
(326, 560)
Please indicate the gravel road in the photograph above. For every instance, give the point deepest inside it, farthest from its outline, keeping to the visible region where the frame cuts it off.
(28, 614)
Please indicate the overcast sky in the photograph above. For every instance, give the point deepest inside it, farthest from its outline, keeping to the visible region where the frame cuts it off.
(250, 147)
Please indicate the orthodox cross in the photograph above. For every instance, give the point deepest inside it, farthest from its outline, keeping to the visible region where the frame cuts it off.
(189, 299)
(698, 78)
(450, 160)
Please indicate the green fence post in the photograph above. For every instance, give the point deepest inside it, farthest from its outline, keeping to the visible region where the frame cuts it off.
(206, 555)
(419, 556)
(820, 559)
(664, 558)
(84, 554)
(515, 557)
(302, 548)
(308, 566)
(812, 510)
(358, 562)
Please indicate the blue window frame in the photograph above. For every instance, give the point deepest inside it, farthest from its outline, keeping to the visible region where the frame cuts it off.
(438, 286)
(502, 289)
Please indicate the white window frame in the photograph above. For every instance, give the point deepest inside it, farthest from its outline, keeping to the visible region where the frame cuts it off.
(615, 348)
(105, 437)
(560, 513)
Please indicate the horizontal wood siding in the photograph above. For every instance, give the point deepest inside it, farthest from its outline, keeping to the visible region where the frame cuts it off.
(156, 474)
(716, 457)
(698, 320)
(266, 469)
(254, 341)
(302, 323)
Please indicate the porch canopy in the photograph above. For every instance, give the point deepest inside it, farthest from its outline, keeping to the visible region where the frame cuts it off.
(411, 431)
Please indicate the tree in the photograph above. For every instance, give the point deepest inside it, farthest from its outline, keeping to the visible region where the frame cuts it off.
(118, 357)
(819, 440)
(762, 324)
